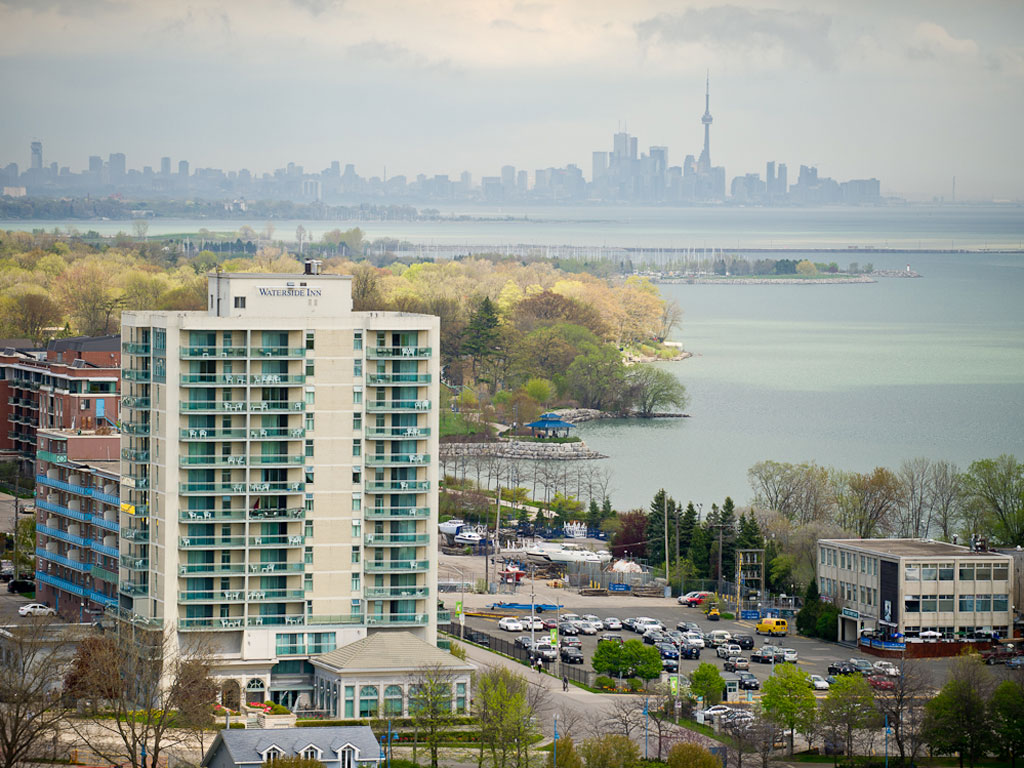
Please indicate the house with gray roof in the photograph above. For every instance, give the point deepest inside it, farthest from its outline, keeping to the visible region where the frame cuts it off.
(376, 676)
(335, 747)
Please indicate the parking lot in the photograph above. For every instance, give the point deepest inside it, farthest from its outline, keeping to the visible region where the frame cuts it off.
(814, 655)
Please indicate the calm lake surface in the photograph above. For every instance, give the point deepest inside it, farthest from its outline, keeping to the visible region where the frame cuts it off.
(852, 376)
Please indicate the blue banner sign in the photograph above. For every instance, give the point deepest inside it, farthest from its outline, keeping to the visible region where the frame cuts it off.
(618, 587)
(750, 614)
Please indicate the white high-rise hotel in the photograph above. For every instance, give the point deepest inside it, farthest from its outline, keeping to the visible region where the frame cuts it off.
(279, 462)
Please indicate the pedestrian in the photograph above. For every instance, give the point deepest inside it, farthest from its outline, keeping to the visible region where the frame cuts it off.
(540, 664)
(565, 682)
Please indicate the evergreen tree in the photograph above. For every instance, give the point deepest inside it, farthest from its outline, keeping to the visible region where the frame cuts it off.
(481, 335)
(727, 518)
(593, 515)
(687, 524)
(700, 551)
(606, 509)
(656, 527)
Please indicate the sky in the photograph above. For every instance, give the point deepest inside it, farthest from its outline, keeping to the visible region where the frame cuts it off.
(909, 91)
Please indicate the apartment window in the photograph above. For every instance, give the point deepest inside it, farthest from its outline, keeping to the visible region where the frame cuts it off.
(357, 530)
(945, 571)
(357, 447)
(310, 368)
(966, 571)
(357, 367)
(309, 448)
(357, 476)
(357, 422)
(239, 302)
(309, 339)
(356, 582)
(946, 603)
(307, 529)
(460, 697)
(310, 396)
(967, 603)
(355, 554)
(357, 502)
(307, 582)
(311, 753)
(357, 340)
(357, 396)
(309, 422)
(307, 503)
(350, 701)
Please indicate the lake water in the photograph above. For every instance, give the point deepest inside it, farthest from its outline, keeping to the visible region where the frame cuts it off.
(852, 376)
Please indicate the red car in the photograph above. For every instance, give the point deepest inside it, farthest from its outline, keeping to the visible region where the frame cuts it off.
(699, 598)
(550, 623)
(882, 683)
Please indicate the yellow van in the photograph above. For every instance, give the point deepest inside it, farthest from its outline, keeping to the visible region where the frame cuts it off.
(772, 627)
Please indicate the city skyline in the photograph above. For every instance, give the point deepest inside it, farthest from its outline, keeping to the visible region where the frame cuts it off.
(914, 95)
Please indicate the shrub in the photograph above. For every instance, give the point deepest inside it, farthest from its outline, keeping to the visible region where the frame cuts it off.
(605, 682)
(635, 684)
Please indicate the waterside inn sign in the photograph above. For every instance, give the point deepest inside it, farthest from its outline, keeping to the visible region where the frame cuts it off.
(291, 291)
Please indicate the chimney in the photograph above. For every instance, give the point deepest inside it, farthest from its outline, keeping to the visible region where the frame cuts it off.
(308, 267)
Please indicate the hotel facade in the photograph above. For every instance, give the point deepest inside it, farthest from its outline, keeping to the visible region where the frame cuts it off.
(279, 476)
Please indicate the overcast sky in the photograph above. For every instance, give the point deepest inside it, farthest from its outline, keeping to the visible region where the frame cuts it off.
(909, 91)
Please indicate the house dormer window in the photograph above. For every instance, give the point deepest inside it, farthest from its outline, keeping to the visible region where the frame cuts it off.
(310, 753)
(272, 754)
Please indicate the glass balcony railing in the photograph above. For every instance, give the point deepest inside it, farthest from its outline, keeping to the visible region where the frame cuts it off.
(134, 563)
(195, 569)
(290, 619)
(277, 378)
(130, 588)
(138, 429)
(240, 487)
(277, 433)
(279, 352)
(397, 566)
(211, 514)
(387, 593)
(240, 595)
(138, 482)
(188, 353)
(395, 619)
(396, 513)
(395, 539)
(293, 540)
(398, 433)
(213, 379)
(210, 433)
(211, 406)
(210, 623)
(134, 401)
(133, 348)
(51, 458)
(134, 374)
(381, 406)
(135, 455)
(383, 460)
(212, 460)
(103, 574)
(385, 379)
(292, 513)
(397, 486)
(277, 567)
(270, 460)
(210, 542)
(403, 352)
(135, 534)
(277, 406)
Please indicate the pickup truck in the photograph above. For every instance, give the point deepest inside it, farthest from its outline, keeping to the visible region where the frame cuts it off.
(1001, 654)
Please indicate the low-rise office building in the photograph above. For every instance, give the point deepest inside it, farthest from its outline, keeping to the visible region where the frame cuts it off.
(913, 586)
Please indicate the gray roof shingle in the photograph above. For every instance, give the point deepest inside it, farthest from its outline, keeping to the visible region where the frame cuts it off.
(389, 651)
(246, 746)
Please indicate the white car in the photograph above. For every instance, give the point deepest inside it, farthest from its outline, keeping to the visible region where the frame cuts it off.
(730, 649)
(510, 624)
(818, 682)
(886, 668)
(789, 654)
(612, 624)
(645, 623)
(36, 609)
(569, 618)
(526, 621)
(695, 639)
(717, 711)
(586, 628)
(598, 624)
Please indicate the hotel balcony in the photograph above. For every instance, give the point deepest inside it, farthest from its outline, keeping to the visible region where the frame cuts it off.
(211, 433)
(136, 402)
(396, 459)
(278, 352)
(395, 566)
(396, 539)
(396, 379)
(218, 353)
(396, 433)
(398, 619)
(201, 569)
(134, 563)
(240, 595)
(396, 486)
(240, 488)
(130, 588)
(395, 593)
(211, 542)
(407, 353)
(385, 406)
(396, 513)
(135, 534)
(141, 375)
(131, 348)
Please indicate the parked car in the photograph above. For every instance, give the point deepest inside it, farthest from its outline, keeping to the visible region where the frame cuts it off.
(688, 651)
(523, 641)
(670, 665)
(546, 651)
(694, 600)
(655, 636)
(510, 624)
(676, 636)
(746, 642)
(1017, 662)
(550, 623)
(767, 654)
(611, 637)
(748, 682)
(727, 650)
(841, 668)
(735, 663)
(569, 618)
(688, 626)
(565, 628)
(863, 666)
(36, 609)
(718, 637)
(629, 622)
(571, 655)
(716, 711)
(571, 642)
(526, 621)
(20, 585)
(882, 682)
(612, 623)
(586, 628)
(818, 682)
(645, 623)
(789, 654)
(685, 599)
(667, 650)
(886, 668)
(695, 638)
(478, 637)
(593, 619)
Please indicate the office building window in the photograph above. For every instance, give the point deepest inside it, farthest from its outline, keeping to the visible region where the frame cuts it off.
(1000, 572)
(967, 603)
(983, 603)
(928, 604)
(912, 604)
(929, 572)
(946, 603)
(966, 571)
(945, 572)
(911, 573)
(1000, 602)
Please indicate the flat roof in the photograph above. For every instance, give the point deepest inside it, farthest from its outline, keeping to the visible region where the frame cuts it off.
(911, 547)
(275, 276)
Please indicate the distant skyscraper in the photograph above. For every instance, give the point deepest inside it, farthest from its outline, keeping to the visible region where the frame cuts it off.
(95, 164)
(781, 182)
(522, 181)
(599, 166)
(118, 166)
(769, 177)
(37, 156)
(508, 178)
(183, 168)
(704, 164)
(165, 166)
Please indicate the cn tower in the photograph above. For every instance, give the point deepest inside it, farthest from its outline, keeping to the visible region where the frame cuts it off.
(705, 156)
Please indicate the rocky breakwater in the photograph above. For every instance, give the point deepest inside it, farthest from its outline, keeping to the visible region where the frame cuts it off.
(521, 449)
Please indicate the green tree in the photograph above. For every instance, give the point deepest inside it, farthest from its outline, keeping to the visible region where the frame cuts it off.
(594, 515)
(958, 718)
(788, 699)
(707, 682)
(848, 708)
(699, 552)
(430, 706)
(481, 335)
(691, 756)
(565, 755)
(610, 751)
(995, 488)
(540, 390)
(596, 377)
(607, 658)
(654, 389)
(807, 617)
(505, 709)
(687, 522)
(655, 530)
(827, 626)
(641, 660)
(293, 761)
(1007, 710)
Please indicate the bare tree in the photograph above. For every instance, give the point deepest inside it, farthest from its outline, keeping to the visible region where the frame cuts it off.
(764, 736)
(151, 686)
(34, 659)
(913, 510)
(903, 707)
(430, 705)
(946, 497)
(622, 717)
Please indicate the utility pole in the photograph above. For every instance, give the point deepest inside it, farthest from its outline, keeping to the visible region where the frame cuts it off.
(668, 560)
(720, 528)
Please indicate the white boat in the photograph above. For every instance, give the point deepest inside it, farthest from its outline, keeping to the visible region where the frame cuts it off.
(450, 527)
(471, 538)
(569, 553)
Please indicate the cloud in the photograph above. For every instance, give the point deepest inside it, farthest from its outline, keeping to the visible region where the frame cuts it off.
(317, 7)
(804, 34)
(66, 7)
(932, 41)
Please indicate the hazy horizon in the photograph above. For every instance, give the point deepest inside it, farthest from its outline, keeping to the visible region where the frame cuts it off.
(912, 95)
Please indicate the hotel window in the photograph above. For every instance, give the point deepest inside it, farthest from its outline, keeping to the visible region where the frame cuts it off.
(946, 603)
(309, 339)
